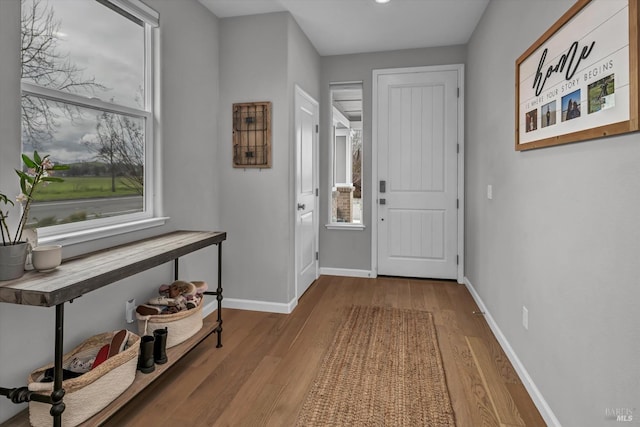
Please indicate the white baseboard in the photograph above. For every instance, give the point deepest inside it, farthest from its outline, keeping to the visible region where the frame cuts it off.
(347, 272)
(534, 392)
(269, 307)
(209, 308)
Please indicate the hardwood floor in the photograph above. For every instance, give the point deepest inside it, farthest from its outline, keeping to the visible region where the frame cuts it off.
(268, 362)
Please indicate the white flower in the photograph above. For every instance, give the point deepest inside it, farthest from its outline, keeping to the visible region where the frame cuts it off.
(47, 164)
(21, 198)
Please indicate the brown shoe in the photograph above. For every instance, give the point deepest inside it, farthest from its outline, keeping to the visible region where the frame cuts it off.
(148, 310)
(118, 342)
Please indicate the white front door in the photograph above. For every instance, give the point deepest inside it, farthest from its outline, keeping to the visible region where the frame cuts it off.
(306, 123)
(417, 137)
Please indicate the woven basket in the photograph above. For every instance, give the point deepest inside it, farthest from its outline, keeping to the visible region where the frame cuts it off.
(181, 325)
(91, 392)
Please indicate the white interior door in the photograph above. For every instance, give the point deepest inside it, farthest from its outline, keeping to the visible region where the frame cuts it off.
(417, 127)
(306, 123)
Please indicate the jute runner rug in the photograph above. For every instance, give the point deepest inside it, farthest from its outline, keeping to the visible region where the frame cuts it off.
(383, 369)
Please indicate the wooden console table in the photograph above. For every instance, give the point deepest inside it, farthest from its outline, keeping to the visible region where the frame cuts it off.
(81, 275)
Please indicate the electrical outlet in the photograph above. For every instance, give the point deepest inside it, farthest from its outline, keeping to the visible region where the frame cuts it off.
(128, 310)
(525, 317)
(490, 192)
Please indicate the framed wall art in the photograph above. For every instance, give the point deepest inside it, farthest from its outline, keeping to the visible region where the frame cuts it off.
(579, 80)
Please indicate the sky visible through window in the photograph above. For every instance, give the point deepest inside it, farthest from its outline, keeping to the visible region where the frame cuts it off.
(105, 47)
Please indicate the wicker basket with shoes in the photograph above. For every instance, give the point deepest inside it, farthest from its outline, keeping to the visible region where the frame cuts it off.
(90, 392)
(178, 309)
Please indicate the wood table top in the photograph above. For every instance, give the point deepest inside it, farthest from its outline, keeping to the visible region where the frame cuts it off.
(83, 274)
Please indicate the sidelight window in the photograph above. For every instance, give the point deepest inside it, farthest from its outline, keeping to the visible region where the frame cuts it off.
(347, 151)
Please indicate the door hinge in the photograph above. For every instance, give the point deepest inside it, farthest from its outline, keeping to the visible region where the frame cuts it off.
(458, 92)
(316, 192)
(458, 148)
(316, 255)
(316, 128)
(457, 259)
(457, 203)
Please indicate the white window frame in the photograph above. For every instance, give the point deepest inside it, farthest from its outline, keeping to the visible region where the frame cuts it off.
(344, 131)
(83, 231)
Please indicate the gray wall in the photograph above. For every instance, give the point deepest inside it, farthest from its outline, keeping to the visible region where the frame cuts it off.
(560, 236)
(253, 55)
(189, 82)
(351, 249)
(261, 57)
(189, 75)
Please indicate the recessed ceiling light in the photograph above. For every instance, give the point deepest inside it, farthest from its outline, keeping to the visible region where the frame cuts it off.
(382, 1)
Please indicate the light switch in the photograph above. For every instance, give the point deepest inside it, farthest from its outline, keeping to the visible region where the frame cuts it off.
(490, 192)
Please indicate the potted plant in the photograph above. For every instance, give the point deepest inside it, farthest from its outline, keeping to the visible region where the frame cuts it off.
(13, 251)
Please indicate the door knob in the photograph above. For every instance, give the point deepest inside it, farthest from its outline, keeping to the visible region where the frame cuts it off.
(301, 206)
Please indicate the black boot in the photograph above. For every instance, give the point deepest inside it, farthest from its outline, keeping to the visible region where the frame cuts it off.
(145, 359)
(160, 346)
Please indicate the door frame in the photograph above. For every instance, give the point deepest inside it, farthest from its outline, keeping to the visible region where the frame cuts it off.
(374, 158)
(316, 163)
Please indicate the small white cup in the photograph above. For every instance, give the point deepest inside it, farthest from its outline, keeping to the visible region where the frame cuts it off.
(46, 257)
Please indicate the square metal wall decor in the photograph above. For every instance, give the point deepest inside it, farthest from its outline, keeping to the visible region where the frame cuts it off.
(252, 135)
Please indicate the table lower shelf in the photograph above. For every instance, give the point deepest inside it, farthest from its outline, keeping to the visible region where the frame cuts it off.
(141, 382)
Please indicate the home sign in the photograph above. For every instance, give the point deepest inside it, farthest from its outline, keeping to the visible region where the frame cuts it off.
(579, 80)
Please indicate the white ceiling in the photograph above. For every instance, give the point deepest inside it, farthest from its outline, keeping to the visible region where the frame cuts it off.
(337, 27)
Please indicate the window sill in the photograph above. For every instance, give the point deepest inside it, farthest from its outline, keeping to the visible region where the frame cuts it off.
(345, 226)
(76, 237)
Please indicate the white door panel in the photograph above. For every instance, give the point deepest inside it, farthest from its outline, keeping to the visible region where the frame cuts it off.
(417, 158)
(306, 120)
(308, 250)
(419, 234)
(306, 151)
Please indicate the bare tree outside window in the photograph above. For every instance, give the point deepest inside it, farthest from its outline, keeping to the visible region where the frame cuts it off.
(44, 65)
(120, 144)
(356, 162)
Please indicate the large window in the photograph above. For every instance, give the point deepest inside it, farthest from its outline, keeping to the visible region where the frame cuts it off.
(87, 101)
(347, 150)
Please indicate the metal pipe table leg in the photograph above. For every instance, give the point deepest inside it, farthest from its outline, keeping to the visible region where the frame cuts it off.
(219, 296)
(22, 394)
(57, 405)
